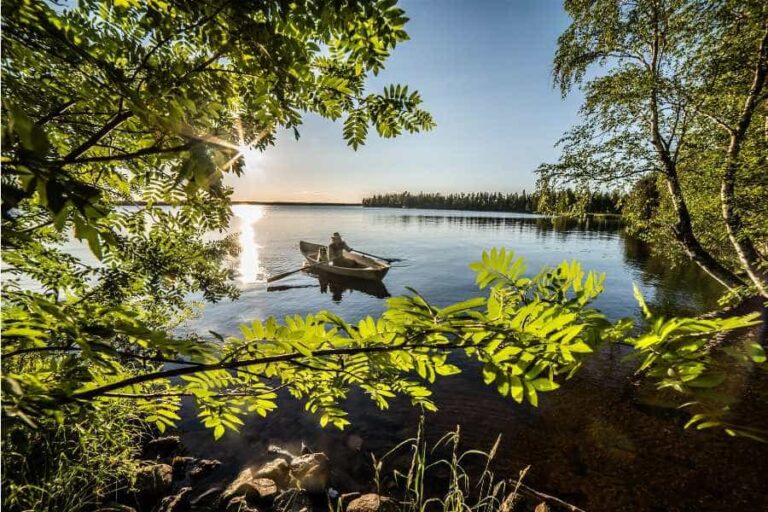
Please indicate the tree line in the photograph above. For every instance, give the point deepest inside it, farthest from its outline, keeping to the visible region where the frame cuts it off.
(544, 200)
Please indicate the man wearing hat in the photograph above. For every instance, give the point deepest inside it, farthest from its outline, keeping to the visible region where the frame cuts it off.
(336, 251)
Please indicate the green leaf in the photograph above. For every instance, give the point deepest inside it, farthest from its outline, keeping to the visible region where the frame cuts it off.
(641, 301)
(544, 384)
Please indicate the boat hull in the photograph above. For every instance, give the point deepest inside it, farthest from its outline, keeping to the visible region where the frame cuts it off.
(369, 269)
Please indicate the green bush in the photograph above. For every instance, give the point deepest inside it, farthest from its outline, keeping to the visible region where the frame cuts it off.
(69, 467)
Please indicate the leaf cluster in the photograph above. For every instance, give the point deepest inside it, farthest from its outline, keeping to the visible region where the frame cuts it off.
(528, 335)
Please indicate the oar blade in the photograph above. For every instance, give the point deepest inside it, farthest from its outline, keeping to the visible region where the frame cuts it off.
(388, 260)
(284, 274)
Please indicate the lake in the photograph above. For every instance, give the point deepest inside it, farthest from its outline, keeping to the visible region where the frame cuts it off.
(597, 442)
(436, 248)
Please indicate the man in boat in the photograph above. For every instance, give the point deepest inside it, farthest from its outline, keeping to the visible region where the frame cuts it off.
(336, 252)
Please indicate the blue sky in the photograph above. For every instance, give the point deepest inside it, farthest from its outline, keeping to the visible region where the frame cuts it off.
(484, 71)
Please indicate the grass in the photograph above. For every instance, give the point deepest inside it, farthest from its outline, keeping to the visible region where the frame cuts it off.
(70, 467)
(470, 486)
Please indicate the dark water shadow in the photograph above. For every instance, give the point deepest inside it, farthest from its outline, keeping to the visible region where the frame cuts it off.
(338, 286)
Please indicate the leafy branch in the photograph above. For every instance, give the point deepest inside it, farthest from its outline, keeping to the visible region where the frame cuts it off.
(529, 334)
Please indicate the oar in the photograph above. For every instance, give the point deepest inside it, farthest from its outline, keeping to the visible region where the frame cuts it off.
(286, 274)
(388, 260)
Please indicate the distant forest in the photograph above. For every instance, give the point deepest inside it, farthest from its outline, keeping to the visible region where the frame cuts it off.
(562, 201)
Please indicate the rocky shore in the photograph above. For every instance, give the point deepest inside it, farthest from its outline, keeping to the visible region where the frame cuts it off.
(169, 481)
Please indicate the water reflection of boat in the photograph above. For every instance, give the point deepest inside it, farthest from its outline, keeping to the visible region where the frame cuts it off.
(337, 285)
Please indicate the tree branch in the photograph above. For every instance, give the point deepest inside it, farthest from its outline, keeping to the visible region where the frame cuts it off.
(113, 123)
(140, 396)
(56, 112)
(186, 370)
(182, 30)
(152, 150)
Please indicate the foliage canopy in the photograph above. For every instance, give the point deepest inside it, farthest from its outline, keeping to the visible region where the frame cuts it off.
(676, 95)
(147, 103)
(113, 109)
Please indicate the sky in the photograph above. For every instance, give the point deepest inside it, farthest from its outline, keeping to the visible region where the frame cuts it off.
(484, 70)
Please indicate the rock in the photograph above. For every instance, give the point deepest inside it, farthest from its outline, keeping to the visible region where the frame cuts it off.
(239, 504)
(178, 503)
(312, 471)
(293, 500)
(193, 469)
(267, 488)
(251, 487)
(153, 482)
(180, 465)
(199, 468)
(348, 496)
(371, 503)
(280, 452)
(277, 470)
(161, 447)
(208, 499)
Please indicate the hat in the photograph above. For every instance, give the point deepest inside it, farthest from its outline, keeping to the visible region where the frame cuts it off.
(336, 235)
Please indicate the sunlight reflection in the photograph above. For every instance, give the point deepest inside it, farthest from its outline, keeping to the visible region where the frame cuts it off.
(251, 157)
(249, 265)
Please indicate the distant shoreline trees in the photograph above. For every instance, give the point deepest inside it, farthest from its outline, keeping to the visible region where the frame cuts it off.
(544, 200)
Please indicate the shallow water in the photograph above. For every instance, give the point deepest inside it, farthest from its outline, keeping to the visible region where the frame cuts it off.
(594, 442)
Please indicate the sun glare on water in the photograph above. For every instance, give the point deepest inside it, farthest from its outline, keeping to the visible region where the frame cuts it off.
(250, 266)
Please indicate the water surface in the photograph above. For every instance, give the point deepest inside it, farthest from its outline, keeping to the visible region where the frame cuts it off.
(597, 442)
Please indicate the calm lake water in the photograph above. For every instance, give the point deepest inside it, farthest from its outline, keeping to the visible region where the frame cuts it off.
(436, 247)
(598, 442)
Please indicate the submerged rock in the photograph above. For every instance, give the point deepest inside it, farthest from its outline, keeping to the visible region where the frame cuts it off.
(354, 442)
(191, 469)
(200, 468)
(161, 447)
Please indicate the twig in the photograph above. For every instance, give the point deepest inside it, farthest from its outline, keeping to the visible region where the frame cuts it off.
(552, 499)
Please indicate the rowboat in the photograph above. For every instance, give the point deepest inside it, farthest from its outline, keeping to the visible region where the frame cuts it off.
(359, 266)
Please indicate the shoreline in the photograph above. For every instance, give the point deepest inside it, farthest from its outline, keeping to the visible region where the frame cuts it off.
(311, 203)
(233, 203)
